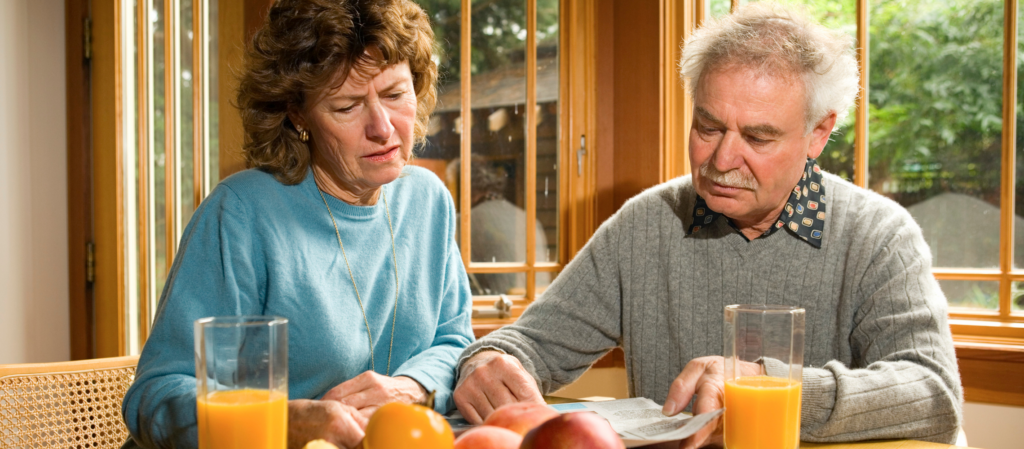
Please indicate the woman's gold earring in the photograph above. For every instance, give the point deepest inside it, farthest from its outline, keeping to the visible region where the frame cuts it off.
(303, 135)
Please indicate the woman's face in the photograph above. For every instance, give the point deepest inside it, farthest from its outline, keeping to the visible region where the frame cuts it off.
(362, 132)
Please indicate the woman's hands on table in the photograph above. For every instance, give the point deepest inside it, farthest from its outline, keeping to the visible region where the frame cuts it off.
(332, 421)
(705, 378)
(341, 416)
(368, 391)
(490, 379)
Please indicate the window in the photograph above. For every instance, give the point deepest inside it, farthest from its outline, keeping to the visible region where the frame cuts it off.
(170, 127)
(935, 130)
(497, 139)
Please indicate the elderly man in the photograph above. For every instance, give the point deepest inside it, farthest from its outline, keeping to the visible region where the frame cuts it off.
(757, 221)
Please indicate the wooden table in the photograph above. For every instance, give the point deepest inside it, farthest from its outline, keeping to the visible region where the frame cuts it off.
(890, 444)
(878, 444)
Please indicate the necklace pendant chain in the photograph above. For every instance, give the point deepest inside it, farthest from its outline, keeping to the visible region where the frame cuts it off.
(394, 260)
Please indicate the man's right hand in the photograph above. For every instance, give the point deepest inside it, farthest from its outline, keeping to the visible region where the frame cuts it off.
(490, 379)
(332, 421)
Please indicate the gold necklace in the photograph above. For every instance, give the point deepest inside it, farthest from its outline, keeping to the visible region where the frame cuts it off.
(394, 259)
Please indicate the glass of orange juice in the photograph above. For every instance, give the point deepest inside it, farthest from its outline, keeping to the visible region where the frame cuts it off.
(764, 356)
(242, 382)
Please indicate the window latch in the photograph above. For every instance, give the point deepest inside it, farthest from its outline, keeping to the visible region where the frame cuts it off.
(502, 309)
(582, 151)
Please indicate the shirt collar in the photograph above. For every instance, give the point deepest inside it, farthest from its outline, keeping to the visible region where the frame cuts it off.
(803, 215)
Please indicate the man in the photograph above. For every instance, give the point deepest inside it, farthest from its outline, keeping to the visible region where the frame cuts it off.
(755, 222)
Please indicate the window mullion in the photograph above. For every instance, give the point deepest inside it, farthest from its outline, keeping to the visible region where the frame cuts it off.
(170, 128)
(142, 34)
(198, 118)
(531, 146)
(1008, 148)
(860, 148)
(466, 142)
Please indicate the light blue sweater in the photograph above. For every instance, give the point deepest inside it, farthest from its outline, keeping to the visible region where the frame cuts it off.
(258, 247)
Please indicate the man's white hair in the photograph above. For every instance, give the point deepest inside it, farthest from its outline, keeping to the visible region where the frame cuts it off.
(775, 41)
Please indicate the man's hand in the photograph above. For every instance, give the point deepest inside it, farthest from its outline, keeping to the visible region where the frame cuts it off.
(705, 377)
(334, 422)
(368, 391)
(489, 380)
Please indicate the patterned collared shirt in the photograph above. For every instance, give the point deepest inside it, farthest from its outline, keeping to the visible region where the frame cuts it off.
(804, 213)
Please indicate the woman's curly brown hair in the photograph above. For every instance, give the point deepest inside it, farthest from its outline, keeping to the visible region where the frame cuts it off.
(301, 48)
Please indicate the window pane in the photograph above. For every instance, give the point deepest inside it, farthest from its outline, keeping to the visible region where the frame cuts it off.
(935, 121)
(158, 155)
(440, 153)
(186, 121)
(1018, 221)
(497, 283)
(717, 8)
(498, 130)
(972, 295)
(547, 131)
(1018, 297)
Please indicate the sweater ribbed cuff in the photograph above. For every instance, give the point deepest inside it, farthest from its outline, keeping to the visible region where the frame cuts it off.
(819, 397)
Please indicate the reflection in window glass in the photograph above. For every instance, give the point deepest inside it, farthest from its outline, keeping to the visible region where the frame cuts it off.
(547, 134)
(935, 121)
(971, 295)
(498, 130)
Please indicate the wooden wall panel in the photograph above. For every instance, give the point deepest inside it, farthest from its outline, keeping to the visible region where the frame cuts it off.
(992, 374)
(231, 41)
(636, 92)
(79, 180)
(604, 141)
(108, 323)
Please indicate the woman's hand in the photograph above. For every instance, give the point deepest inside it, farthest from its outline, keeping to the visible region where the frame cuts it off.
(332, 421)
(368, 391)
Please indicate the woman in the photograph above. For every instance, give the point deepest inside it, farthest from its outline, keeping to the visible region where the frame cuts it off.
(328, 228)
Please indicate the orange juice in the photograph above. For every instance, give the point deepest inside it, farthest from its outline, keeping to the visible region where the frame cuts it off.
(762, 413)
(249, 419)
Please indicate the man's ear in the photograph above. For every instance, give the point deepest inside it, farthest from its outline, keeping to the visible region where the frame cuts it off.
(820, 135)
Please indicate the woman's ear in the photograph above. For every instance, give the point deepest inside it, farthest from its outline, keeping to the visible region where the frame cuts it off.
(297, 118)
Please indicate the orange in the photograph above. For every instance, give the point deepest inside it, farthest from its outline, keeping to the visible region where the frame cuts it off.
(400, 426)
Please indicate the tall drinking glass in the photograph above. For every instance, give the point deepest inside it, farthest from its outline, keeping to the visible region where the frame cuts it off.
(764, 357)
(242, 382)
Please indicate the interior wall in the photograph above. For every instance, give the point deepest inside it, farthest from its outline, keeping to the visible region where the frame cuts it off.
(992, 426)
(33, 183)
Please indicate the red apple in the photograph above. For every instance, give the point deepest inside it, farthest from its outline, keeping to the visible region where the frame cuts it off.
(579, 430)
(488, 437)
(521, 417)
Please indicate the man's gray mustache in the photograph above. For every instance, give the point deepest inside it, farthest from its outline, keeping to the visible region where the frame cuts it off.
(731, 178)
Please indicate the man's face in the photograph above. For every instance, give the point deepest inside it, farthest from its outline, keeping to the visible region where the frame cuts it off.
(748, 145)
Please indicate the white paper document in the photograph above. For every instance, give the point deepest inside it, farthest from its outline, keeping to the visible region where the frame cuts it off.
(639, 421)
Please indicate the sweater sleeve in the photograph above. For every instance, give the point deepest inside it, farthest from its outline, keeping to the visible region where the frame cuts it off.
(214, 274)
(576, 321)
(434, 368)
(904, 381)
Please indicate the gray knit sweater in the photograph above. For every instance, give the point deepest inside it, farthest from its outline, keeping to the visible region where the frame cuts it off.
(879, 359)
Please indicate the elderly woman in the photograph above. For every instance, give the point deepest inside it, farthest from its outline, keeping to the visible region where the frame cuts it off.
(329, 228)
